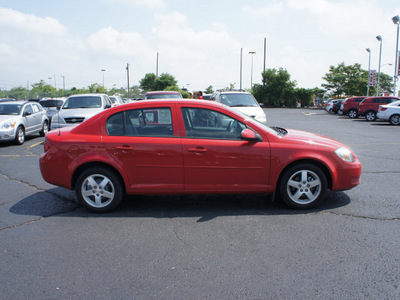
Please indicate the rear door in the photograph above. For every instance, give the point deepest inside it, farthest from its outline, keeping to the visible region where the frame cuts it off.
(146, 144)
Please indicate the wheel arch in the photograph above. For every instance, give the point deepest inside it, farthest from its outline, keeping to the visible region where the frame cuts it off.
(88, 165)
(317, 163)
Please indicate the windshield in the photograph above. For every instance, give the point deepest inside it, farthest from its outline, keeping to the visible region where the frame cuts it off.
(254, 121)
(10, 109)
(164, 96)
(83, 102)
(51, 103)
(239, 100)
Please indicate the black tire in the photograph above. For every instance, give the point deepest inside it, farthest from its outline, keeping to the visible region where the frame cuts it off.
(303, 186)
(19, 136)
(370, 116)
(99, 189)
(353, 114)
(45, 129)
(394, 119)
(331, 111)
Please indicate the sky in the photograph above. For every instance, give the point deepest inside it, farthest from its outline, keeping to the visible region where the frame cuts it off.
(198, 42)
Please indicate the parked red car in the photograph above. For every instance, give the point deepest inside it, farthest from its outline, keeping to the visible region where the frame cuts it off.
(350, 106)
(369, 106)
(192, 146)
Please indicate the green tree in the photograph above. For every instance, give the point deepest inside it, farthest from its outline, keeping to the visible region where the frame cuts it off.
(148, 83)
(151, 83)
(41, 89)
(97, 88)
(209, 90)
(352, 80)
(276, 89)
(19, 93)
(305, 96)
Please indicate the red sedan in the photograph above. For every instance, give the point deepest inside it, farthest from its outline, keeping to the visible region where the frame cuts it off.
(191, 147)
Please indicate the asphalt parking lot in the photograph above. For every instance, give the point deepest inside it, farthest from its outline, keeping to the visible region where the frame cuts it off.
(207, 247)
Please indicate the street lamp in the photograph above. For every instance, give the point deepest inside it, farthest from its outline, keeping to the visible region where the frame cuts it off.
(251, 80)
(103, 70)
(379, 38)
(369, 70)
(396, 21)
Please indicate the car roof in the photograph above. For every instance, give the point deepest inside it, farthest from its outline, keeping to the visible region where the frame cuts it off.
(161, 92)
(15, 102)
(87, 95)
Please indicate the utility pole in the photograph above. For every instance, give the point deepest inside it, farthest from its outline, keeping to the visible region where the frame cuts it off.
(241, 56)
(265, 53)
(157, 65)
(127, 76)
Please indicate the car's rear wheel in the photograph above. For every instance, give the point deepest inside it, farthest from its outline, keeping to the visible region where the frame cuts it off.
(45, 129)
(99, 189)
(353, 114)
(19, 136)
(331, 111)
(394, 119)
(370, 116)
(303, 186)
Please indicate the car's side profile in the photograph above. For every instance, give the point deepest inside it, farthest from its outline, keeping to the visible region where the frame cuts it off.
(390, 112)
(369, 106)
(21, 118)
(192, 146)
(350, 106)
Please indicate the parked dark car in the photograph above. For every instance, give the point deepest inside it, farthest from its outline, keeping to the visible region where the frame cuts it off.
(336, 107)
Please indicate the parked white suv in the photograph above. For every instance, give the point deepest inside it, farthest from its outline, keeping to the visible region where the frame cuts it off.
(241, 101)
(79, 108)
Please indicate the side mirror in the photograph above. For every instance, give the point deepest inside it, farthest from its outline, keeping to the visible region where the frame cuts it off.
(108, 105)
(250, 135)
(27, 113)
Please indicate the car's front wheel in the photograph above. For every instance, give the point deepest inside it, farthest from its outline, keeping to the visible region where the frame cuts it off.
(353, 114)
(19, 136)
(394, 119)
(370, 116)
(303, 186)
(99, 189)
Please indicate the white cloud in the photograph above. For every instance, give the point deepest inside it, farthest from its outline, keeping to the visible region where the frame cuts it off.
(268, 10)
(13, 20)
(154, 4)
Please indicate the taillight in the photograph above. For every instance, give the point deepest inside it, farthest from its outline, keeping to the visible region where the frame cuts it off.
(382, 108)
(47, 145)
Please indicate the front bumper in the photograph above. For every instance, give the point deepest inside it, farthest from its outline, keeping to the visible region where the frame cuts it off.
(7, 135)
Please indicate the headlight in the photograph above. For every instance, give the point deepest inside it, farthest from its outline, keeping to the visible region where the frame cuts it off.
(8, 125)
(345, 154)
(57, 119)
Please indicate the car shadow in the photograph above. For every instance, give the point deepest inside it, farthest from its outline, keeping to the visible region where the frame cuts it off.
(204, 207)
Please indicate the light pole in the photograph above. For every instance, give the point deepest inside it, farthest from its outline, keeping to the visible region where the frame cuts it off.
(103, 70)
(379, 38)
(369, 70)
(396, 21)
(251, 78)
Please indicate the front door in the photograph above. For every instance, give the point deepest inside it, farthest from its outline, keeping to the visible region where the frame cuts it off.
(216, 159)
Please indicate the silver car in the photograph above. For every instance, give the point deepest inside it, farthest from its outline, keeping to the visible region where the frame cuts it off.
(21, 118)
(79, 108)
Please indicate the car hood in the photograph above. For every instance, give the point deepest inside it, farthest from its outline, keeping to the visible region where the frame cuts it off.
(251, 111)
(309, 139)
(79, 112)
(8, 118)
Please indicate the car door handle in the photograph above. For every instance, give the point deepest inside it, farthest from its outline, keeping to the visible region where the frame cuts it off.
(197, 150)
(124, 147)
